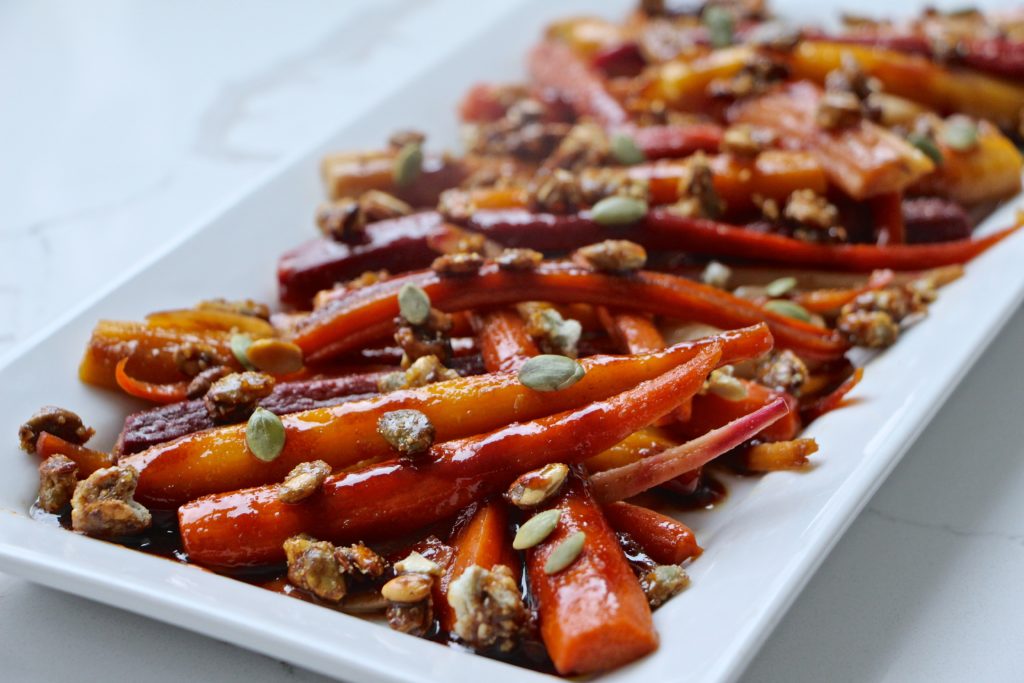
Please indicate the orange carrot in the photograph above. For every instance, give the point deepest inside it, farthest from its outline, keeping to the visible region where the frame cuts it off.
(87, 459)
(593, 614)
(504, 342)
(711, 411)
(173, 392)
(666, 540)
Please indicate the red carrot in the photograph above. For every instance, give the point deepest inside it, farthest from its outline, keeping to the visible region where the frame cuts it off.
(664, 539)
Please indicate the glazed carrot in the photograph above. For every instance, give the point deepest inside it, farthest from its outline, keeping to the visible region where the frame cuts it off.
(483, 540)
(349, 174)
(633, 332)
(833, 399)
(917, 79)
(172, 392)
(87, 459)
(711, 411)
(504, 342)
(368, 313)
(218, 459)
(392, 245)
(150, 351)
(684, 81)
(635, 478)
(398, 496)
(862, 160)
(778, 455)
(988, 171)
(666, 540)
(887, 216)
(203, 319)
(593, 614)
(640, 444)
(828, 301)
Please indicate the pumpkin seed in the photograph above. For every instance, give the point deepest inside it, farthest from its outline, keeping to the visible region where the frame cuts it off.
(780, 286)
(548, 372)
(625, 150)
(536, 529)
(264, 434)
(565, 553)
(926, 145)
(618, 210)
(960, 133)
(407, 588)
(790, 309)
(408, 164)
(722, 383)
(240, 344)
(720, 24)
(413, 304)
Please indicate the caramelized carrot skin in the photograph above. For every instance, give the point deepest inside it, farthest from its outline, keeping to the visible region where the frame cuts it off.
(593, 614)
(666, 540)
(368, 312)
(482, 540)
(218, 459)
(711, 412)
(248, 527)
(87, 459)
(392, 245)
(504, 342)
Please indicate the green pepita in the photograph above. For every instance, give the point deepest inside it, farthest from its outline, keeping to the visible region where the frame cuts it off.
(625, 150)
(413, 304)
(960, 133)
(780, 286)
(548, 372)
(565, 553)
(790, 309)
(721, 25)
(408, 164)
(927, 145)
(264, 434)
(240, 344)
(536, 529)
(618, 210)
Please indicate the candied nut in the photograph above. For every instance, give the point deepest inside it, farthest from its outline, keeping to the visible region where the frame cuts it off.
(744, 140)
(838, 109)
(721, 382)
(415, 563)
(381, 206)
(533, 488)
(202, 382)
(342, 220)
(556, 191)
(457, 264)
(408, 431)
(850, 77)
(53, 420)
(58, 476)
(303, 481)
(415, 619)
(898, 302)
(871, 329)
(585, 145)
(357, 558)
(555, 334)
(420, 341)
(809, 209)
(313, 567)
(401, 138)
(616, 256)
(232, 398)
(783, 371)
(697, 185)
(247, 307)
(519, 259)
(275, 356)
(755, 77)
(423, 371)
(596, 184)
(102, 504)
(407, 588)
(663, 582)
(192, 358)
(489, 608)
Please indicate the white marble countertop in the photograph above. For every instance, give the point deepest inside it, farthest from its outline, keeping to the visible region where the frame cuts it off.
(123, 121)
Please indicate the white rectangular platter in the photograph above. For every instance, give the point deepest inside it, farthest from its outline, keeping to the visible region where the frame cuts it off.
(761, 545)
